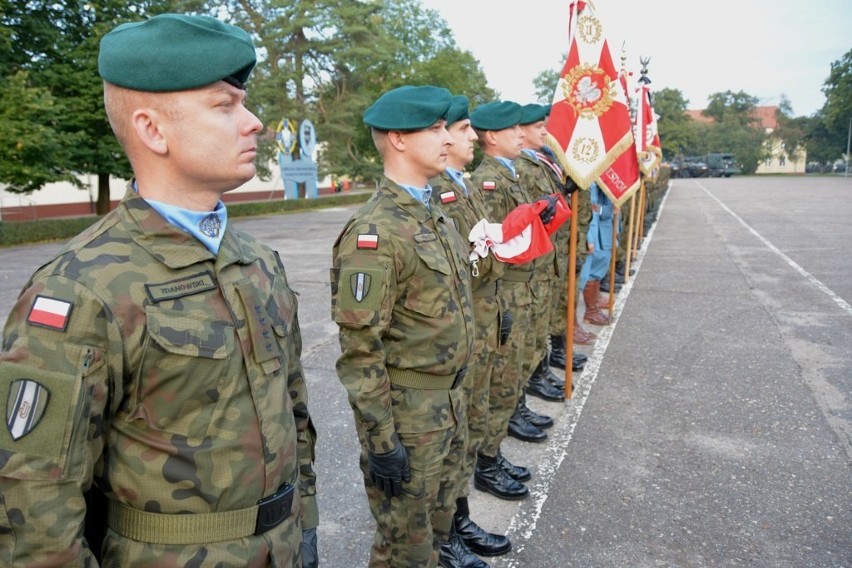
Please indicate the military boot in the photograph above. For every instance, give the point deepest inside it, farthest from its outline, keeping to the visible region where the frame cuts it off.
(522, 430)
(455, 554)
(539, 386)
(477, 539)
(533, 417)
(516, 472)
(488, 476)
(557, 352)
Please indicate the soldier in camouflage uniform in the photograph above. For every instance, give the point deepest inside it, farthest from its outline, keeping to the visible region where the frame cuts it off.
(495, 179)
(465, 207)
(401, 296)
(151, 370)
(537, 180)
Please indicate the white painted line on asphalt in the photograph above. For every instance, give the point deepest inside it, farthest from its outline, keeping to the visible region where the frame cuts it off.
(807, 275)
(523, 523)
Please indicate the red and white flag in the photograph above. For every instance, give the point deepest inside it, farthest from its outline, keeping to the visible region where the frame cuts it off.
(648, 138)
(622, 178)
(589, 125)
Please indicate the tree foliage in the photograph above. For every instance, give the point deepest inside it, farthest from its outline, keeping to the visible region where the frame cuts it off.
(836, 113)
(50, 63)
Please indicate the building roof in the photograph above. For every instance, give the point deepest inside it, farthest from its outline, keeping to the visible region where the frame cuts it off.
(766, 115)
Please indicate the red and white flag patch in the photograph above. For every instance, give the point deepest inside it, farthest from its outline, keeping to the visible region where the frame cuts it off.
(50, 312)
(448, 197)
(368, 241)
(489, 185)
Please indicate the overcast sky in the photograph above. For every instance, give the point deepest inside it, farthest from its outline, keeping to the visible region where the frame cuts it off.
(763, 47)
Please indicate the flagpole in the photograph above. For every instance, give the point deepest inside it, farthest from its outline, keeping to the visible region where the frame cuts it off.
(612, 257)
(630, 243)
(572, 285)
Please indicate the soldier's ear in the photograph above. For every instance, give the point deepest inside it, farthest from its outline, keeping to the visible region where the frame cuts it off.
(396, 139)
(147, 126)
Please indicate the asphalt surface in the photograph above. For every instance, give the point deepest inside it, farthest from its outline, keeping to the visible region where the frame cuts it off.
(712, 425)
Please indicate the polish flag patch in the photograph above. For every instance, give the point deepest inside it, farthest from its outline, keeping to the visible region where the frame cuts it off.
(50, 313)
(489, 185)
(368, 241)
(448, 197)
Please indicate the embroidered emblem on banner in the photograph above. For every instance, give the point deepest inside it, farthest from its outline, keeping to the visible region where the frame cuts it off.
(489, 185)
(25, 407)
(210, 226)
(360, 284)
(368, 241)
(50, 313)
(448, 197)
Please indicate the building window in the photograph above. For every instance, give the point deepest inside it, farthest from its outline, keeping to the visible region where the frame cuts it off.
(782, 160)
(768, 162)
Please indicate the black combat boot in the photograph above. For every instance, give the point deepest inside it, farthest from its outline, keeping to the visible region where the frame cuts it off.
(516, 472)
(488, 476)
(477, 539)
(557, 352)
(522, 430)
(455, 554)
(578, 361)
(533, 417)
(539, 386)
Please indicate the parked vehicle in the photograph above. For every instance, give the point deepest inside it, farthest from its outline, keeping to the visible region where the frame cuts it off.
(694, 166)
(722, 165)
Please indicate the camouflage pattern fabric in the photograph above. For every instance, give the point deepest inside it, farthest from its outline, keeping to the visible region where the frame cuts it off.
(163, 368)
(501, 192)
(401, 297)
(466, 209)
(535, 177)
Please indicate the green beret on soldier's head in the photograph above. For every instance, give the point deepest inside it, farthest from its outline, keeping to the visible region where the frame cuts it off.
(459, 109)
(534, 113)
(409, 108)
(175, 52)
(497, 115)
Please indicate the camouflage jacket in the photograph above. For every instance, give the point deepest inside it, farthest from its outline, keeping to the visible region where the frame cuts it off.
(535, 177)
(401, 296)
(169, 378)
(501, 192)
(466, 210)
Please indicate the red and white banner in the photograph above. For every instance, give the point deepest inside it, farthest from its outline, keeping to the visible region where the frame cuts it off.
(589, 126)
(648, 138)
(622, 178)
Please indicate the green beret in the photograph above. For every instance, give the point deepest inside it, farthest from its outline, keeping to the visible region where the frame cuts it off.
(534, 113)
(458, 109)
(174, 52)
(496, 115)
(409, 108)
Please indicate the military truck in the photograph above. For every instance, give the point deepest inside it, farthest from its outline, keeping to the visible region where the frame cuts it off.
(722, 165)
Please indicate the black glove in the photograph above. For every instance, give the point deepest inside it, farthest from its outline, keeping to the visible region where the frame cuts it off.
(548, 213)
(505, 326)
(389, 470)
(310, 558)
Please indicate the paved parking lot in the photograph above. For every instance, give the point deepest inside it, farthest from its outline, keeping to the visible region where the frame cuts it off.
(712, 425)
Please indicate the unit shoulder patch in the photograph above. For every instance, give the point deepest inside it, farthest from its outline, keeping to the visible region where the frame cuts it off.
(51, 313)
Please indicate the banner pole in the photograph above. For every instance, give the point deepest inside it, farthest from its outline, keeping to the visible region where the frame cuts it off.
(630, 242)
(572, 285)
(613, 255)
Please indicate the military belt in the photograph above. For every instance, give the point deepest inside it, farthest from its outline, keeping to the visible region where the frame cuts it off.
(485, 291)
(201, 528)
(517, 275)
(425, 381)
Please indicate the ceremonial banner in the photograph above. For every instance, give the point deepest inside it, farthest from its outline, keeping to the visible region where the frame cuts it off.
(589, 126)
(649, 147)
(622, 178)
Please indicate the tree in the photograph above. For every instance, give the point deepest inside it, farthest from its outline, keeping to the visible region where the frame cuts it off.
(677, 132)
(837, 110)
(52, 64)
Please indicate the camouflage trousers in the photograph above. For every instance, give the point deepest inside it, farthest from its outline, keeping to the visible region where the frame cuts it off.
(411, 528)
(477, 386)
(559, 287)
(541, 313)
(508, 372)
